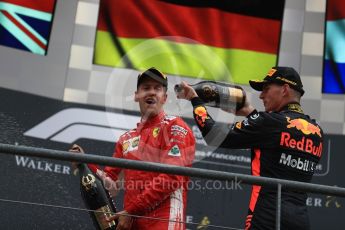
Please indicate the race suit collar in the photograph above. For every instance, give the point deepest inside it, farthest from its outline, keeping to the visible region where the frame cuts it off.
(293, 106)
(154, 120)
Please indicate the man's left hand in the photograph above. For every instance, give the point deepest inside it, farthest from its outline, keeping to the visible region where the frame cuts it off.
(246, 110)
(187, 92)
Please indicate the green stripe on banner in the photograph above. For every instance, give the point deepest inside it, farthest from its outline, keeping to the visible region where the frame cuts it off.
(174, 56)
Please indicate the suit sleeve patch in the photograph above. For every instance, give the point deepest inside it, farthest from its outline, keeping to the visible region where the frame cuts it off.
(201, 115)
(174, 151)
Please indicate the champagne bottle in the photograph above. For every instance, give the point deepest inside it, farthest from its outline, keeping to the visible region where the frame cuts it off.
(229, 98)
(96, 198)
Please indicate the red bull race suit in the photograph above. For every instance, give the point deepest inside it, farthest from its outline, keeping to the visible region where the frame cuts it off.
(285, 145)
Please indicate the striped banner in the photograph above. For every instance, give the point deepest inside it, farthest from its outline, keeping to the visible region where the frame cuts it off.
(334, 59)
(26, 24)
(231, 41)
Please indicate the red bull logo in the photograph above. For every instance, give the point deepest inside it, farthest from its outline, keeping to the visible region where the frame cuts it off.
(304, 144)
(271, 72)
(303, 126)
(201, 115)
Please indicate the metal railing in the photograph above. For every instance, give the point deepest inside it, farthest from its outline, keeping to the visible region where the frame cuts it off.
(171, 169)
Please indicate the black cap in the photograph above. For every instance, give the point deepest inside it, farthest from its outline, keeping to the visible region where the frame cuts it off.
(154, 74)
(280, 75)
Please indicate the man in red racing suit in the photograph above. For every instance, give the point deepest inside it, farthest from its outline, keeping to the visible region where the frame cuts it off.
(160, 197)
(285, 144)
(162, 139)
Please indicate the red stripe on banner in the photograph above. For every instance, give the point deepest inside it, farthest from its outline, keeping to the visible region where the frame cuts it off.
(209, 26)
(41, 5)
(27, 32)
(335, 9)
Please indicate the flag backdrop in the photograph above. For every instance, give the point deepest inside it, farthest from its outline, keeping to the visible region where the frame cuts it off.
(26, 24)
(334, 59)
(191, 38)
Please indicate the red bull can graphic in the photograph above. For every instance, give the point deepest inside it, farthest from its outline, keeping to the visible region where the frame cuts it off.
(303, 126)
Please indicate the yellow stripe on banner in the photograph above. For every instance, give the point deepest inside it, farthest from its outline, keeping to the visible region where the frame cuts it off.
(183, 58)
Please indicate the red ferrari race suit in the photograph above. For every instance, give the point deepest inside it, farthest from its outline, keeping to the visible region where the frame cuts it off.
(285, 145)
(163, 139)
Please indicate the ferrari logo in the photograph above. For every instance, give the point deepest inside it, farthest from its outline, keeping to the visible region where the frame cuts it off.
(155, 132)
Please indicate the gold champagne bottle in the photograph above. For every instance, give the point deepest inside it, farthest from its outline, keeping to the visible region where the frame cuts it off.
(96, 198)
(228, 97)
